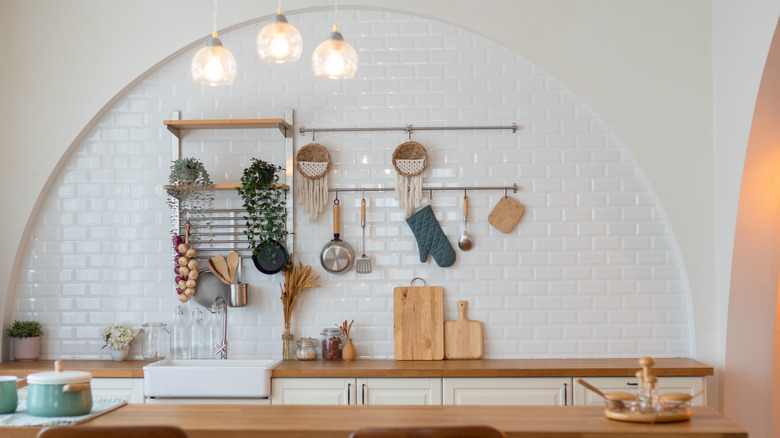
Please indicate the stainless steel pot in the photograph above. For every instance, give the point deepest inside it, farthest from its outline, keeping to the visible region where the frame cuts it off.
(337, 255)
(59, 393)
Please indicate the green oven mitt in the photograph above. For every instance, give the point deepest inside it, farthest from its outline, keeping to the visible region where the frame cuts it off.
(430, 237)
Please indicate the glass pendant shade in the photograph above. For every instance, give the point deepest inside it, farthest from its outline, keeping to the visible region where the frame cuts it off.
(279, 41)
(214, 65)
(334, 58)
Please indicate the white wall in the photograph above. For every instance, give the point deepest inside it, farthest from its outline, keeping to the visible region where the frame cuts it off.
(643, 66)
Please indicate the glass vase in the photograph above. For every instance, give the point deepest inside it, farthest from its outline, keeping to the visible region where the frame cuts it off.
(287, 338)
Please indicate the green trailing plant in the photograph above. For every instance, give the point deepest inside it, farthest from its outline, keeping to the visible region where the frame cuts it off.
(24, 329)
(266, 208)
(191, 190)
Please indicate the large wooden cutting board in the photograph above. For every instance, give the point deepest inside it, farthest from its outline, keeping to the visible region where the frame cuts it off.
(418, 323)
(463, 337)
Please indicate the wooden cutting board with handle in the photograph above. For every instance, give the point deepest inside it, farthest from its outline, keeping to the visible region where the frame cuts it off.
(463, 337)
(418, 323)
(506, 214)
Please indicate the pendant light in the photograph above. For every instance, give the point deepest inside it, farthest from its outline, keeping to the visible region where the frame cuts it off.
(334, 58)
(279, 41)
(213, 65)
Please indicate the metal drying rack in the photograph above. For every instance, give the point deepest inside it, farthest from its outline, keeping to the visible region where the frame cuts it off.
(514, 188)
(408, 129)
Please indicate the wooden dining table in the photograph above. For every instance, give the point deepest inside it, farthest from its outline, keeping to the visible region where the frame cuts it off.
(239, 421)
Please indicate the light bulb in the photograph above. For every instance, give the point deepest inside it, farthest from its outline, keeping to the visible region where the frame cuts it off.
(213, 65)
(213, 71)
(279, 46)
(334, 58)
(279, 41)
(335, 65)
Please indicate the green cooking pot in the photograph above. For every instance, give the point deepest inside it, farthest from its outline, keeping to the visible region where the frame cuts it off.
(59, 393)
(8, 398)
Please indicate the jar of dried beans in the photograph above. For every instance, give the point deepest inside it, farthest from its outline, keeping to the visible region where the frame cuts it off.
(332, 340)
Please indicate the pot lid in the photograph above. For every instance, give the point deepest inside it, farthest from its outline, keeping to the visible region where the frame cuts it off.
(59, 378)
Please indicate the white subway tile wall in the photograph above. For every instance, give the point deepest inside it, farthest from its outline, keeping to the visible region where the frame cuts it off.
(592, 269)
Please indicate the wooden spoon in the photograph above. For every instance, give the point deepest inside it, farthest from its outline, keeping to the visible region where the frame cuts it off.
(232, 261)
(216, 272)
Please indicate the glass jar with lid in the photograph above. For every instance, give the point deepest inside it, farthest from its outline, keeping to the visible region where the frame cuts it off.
(333, 341)
(306, 348)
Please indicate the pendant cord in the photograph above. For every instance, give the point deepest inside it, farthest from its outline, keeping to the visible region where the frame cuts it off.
(336, 12)
(214, 19)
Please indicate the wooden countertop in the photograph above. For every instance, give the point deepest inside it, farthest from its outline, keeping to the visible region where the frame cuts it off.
(406, 368)
(238, 421)
(98, 368)
(489, 368)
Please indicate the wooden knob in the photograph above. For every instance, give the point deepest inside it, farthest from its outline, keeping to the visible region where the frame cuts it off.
(59, 366)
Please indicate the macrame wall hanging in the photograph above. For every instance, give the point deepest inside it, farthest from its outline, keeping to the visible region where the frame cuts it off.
(410, 160)
(313, 162)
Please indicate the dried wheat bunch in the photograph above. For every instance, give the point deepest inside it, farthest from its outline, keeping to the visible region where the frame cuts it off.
(296, 279)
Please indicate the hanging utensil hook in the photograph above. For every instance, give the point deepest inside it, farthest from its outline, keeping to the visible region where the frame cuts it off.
(336, 201)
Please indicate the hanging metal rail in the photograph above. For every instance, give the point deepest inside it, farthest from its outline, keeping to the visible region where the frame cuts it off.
(514, 188)
(407, 129)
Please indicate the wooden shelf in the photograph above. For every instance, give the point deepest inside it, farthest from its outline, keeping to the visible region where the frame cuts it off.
(176, 126)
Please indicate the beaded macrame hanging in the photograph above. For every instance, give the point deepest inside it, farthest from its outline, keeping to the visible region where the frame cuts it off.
(313, 162)
(410, 160)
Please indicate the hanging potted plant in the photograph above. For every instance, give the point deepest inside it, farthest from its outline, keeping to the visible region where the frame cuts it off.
(27, 340)
(191, 190)
(266, 215)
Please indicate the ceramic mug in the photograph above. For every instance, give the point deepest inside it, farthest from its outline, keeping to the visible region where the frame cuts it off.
(8, 398)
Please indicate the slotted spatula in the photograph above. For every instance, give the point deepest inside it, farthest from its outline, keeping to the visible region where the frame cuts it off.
(363, 263)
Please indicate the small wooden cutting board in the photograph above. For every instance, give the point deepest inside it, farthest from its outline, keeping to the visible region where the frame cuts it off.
(463, 337)
(418, 323)
(506, 214)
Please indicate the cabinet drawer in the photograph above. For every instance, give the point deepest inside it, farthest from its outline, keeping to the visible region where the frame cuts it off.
(585, 397)
(512, 391)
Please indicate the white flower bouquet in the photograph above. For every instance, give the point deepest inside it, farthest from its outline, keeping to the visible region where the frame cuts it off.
(118, 336)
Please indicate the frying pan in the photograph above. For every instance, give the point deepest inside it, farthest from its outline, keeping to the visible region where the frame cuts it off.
(270, 257)
(337, 255)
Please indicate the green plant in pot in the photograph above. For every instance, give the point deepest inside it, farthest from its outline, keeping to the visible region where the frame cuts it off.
(26, 339)
(266, 215)
(191, 190)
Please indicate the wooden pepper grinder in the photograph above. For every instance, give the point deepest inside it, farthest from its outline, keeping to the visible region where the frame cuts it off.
(649, 401)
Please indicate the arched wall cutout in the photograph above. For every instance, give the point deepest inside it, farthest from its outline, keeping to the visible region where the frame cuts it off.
(752, 371)
(592, 270)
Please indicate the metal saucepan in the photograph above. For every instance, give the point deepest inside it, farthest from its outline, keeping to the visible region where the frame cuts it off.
(59, 393)
(337, 255)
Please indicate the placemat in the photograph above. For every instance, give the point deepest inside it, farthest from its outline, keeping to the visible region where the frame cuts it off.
(22, 418)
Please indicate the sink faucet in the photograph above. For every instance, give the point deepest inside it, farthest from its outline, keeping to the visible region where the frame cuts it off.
(222, 349)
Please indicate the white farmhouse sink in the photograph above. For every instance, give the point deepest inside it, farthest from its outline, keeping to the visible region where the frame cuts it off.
(230, 378)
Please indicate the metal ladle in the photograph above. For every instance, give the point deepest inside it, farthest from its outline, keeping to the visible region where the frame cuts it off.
(465, 243)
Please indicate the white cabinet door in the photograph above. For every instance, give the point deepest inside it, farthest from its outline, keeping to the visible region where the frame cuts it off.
(312, 391)
(513, 391)
(396, 391)
(585, 397)
(128, 389)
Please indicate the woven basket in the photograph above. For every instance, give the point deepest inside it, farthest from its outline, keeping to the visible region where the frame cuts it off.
(410, 158)
(313, 161)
